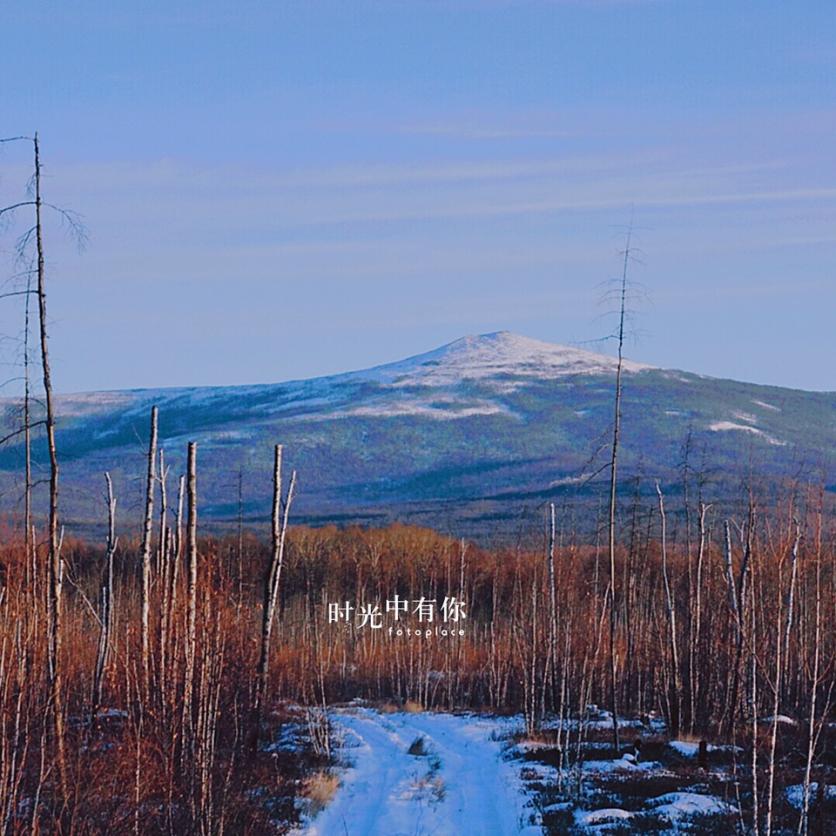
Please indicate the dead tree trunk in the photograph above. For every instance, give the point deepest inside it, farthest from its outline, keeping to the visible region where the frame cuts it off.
(191, 623)
(781, 653)
(616, 437)
(106, 605)
(55, 563)
(696, 686)
(812, 736)
(552, 603)
(28, 539)
(146, 554)
(676, 702)
(271, 585)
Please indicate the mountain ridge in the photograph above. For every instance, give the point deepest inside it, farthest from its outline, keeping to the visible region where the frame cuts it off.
(469, 430)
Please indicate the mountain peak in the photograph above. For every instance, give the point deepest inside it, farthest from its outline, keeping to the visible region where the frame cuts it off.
(499, 354)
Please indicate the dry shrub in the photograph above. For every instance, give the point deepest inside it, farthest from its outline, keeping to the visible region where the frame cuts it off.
(319, 789)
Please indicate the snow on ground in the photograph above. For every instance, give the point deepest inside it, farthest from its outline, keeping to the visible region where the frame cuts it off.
(622, 764)
(606, 815)
(461, 785)
(441, 409)
(677, 809)
(601, 720)
(675, 806)
(781, 719)
(795, 794)
(686, 748)
(724, 426)
(690, 749)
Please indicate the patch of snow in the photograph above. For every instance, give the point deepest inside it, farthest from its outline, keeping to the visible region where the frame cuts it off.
(685, 748)
(607, 724)
(435, 408)
(599, 720)
(678, 377)
(745, 416)
(606, 815)
(539, 772)
(290, 738)
(569, 480)
(534, 745)
(676, 806)
(690, 749)
(767, 405)
(621, 765)
(672, 412)
(722, 426)
(782, 719)
(463, 785)
(795, 794)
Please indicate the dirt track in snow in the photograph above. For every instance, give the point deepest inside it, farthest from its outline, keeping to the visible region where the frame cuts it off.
(460, 785)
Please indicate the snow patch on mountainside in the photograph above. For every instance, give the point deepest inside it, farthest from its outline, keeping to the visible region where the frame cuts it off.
(440, 410)
(723, 426)
(496, 358)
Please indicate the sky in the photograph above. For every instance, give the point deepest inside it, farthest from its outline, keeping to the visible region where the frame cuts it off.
(277, 190)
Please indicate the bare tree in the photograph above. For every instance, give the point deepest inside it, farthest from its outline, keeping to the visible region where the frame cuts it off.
(781, 652)
(616, 438)
(56, 569)
(55, 565)
(271, 582)
(552, 598)
(105, 604)
(191, 559)
(151, 477)
(676, 700)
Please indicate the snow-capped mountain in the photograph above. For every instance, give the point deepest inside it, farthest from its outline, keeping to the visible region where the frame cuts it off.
(480, 429)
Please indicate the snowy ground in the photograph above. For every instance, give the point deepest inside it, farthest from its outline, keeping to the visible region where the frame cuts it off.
(459, 784)
(433, 773)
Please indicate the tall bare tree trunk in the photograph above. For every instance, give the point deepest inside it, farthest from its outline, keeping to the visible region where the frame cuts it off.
(676, 703)
(697, 684)
(616, 437)
(804, 821)
(271, 584)
(146, 554)
(55, 563)
(191, 558)
(781, 653)
(552, 601)
(27, 433)
(106, 605)
(754, 663)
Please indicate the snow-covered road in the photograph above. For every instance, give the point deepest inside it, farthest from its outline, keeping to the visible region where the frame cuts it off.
(461, 785)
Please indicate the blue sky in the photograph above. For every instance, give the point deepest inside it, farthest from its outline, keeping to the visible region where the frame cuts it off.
(286, 189)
